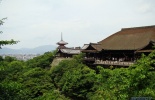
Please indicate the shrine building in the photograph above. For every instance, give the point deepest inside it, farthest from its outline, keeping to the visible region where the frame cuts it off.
(122, 48)
(65, 52)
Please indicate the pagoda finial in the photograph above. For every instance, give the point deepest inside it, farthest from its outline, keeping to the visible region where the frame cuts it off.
(61, 36)
(62, 43)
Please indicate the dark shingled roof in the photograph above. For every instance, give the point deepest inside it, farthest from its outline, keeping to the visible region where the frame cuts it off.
(70, 51)
(135, 38)
(97, 47)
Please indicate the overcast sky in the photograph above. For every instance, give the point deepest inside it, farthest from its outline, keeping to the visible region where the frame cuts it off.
(40, 22)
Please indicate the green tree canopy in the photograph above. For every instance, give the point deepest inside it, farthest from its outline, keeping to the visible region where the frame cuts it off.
(6, 42)
(73, 80)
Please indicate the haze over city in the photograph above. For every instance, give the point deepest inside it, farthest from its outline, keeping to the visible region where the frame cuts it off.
(40, 22)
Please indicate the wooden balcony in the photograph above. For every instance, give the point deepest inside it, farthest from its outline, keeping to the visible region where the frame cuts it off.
(113, 63)
(89, 59)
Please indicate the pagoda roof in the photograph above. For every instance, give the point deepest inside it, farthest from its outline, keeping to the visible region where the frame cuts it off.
(62, 42)
(135, 38)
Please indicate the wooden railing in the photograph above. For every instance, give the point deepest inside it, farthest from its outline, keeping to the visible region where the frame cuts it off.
(122, 63)
(89, 59)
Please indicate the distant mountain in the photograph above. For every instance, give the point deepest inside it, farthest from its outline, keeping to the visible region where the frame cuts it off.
(37, 50)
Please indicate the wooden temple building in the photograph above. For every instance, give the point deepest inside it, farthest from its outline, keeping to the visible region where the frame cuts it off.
(65, 52)
(122, 48)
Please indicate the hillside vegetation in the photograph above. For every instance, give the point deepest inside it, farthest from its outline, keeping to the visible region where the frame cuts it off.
(73, 80)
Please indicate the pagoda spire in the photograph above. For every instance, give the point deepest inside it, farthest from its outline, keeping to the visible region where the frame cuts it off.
(61, 43)
(61, 37)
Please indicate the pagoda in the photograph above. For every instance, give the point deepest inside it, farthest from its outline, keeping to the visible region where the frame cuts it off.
(65, 52)
(61, 43)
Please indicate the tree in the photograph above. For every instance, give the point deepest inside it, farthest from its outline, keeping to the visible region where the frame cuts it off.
(123, 83)
(142, 76)
(42, 61)
(6, 42)
(20, 82)
(36, 82)
(9, 90)
(73, 79)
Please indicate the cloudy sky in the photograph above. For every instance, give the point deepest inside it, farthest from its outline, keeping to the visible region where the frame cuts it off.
(40, 22)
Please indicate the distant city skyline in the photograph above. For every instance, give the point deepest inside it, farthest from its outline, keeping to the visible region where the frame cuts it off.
(40, 22)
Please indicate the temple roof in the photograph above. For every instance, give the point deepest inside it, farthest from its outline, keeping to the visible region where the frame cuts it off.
(92, 47)
(135, 38)
(96, 46)
(85, 46)
(70, 51)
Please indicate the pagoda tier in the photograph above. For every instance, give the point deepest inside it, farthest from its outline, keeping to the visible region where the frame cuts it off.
(61, 43)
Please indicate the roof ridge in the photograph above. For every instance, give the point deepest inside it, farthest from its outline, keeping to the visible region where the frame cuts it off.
(141, 27)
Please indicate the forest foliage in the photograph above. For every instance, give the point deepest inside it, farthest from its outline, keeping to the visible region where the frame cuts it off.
(6, 42)
(73, 80)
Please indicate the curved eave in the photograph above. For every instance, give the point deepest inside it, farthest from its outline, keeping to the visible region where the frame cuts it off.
(138, 48)
(62, 43)
(142, 51)
(70, 51)
(128, 48)
(91, 51)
